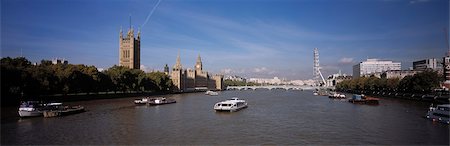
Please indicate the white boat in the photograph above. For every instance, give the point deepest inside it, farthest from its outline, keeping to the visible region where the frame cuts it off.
(35, 108)
(439, 113)
(212, 93)
(144, 100)
(161, 100)
(337, 95)
(231, 105)
(154, 101)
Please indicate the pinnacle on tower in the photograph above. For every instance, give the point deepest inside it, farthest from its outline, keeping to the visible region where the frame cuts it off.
(139, 32)
(177, 65)
(199, 59)
(121, 32)
(198, 64)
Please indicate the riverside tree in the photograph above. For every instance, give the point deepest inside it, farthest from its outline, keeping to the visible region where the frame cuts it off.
(21, 79)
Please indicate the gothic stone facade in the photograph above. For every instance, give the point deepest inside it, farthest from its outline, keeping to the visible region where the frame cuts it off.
(194, 80)
(130, 49)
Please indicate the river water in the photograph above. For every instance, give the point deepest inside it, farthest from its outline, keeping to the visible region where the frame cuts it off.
(273, 117)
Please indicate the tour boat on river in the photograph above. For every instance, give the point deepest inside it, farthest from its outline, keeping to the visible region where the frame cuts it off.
(144, 100)
(230, 105)
(439, 113)
(63, 111)
(35, 108)
(154, 101)
(336, 95)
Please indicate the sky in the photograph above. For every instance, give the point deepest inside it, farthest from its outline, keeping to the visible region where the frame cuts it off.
(248, 38)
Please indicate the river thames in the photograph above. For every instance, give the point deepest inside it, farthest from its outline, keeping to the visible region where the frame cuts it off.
(272, 117)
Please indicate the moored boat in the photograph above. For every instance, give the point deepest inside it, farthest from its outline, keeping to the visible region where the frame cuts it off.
(230, 105)
(64, 111)
(371, 100)
(439, 113)
(361, 99)
(35, 108)
(161, 100)
(212, 93)
(154, 101)
(336, 95)
(144, 100)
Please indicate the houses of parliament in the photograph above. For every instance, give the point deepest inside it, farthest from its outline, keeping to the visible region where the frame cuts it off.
(186, 80)
(193, 79)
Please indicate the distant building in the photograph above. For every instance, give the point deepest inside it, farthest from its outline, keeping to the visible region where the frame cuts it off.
(274, 81)
(130, 49)
(60, 61)
(428, 64)
(374, 66)
(333, 79)
(302, 82)
(400, 74)
(235, 78)
(194, 80)
(446, 64)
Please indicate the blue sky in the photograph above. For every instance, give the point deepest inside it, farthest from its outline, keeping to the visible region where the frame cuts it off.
(250, 38)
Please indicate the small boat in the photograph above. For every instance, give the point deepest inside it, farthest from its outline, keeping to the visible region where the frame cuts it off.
(371, 100)
(144, 100)
(212, 93)
(361, 99)
(439, 113)
(356, 99)
(64, 111)
(337, 96)
(161, 100)
(230, 105)
(35, 108)
(153, 101)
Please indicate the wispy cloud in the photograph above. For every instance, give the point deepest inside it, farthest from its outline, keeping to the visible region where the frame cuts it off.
(346, 60)
(145, 68)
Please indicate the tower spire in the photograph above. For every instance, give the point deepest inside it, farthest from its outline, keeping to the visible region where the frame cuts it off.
(198, 64)
(130, 20)
(199, 59)
(177, 65)
(139, 33)
(121, 32)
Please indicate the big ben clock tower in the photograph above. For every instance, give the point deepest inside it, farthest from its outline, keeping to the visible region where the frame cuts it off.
(198, 64)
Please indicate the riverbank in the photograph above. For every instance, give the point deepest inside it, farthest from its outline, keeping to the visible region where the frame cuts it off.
(438, 98)
(15, 101)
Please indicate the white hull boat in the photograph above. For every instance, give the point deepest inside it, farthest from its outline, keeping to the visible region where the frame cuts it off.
(230, 105)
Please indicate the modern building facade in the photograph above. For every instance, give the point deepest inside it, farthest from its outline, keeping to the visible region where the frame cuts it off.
(400, 74)
(446, 66)
(130, 49)
(194, 80)
(431, 64)
(374, 66)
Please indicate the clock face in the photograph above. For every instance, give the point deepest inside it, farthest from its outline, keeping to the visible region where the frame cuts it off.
(198, 65)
